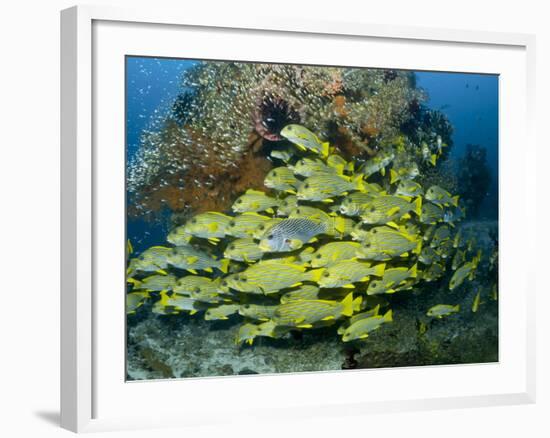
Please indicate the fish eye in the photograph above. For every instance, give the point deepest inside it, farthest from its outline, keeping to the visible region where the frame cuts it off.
(193, 221)
(231, 223)
(247, 306)
(318, 256)
(274, 174)
(374, 283)
(197, 290)
(224, 283)
(368, 245)
(375, 231)
(231, 247)
(270, 237)
(239, 201)
(298, 210)
(372, 209)
(306, 185)
(326, 274)
(243, 279)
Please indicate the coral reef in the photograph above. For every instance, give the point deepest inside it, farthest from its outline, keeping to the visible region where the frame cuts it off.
(228, 115)
(475, 178)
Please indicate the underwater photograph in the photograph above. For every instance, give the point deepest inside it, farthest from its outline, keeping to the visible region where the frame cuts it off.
(285, 218)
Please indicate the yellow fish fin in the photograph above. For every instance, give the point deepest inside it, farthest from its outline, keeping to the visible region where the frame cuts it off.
(359, 182)
(254, 192)
(383, 171)
(269, 210)
(213, 240)
(356, 304)
(394, 176)
(418, 206)
(347, 305)
(193, 271)
(327, 200)
(161, 272)
(314, 275)
(455, 200)
(208, 269)
(418, 248)
(388, 316)
(192, 259)
(379, 270)
(133, 281)
(213, 227)
(392, 211)
(295, 244)
(349, 286)
(325, 148)
(224, 265)
(433, 158)
(393, 225)
(414, 271)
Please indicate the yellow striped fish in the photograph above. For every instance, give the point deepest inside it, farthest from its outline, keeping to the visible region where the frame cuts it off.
(243, 250)
(281, 179)
(305, 313)
(244, 225)
(210, 225)
(324, 186)
(347, 272)
(334, 252)
(269, 278)
(254, 200)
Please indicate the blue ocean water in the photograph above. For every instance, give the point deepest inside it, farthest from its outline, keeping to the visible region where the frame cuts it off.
(470, 101)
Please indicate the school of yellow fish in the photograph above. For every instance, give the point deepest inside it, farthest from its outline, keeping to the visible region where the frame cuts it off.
(322, 246)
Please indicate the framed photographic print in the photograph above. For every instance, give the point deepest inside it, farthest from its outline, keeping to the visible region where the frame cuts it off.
(334, 215)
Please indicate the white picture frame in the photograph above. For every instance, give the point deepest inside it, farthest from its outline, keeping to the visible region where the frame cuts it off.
(88, 403)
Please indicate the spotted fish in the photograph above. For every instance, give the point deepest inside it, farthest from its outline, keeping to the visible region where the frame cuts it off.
(290, 234)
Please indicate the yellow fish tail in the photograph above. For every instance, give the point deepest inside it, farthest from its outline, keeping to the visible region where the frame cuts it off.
(418, 206)
(379, 270)
(357, 303)
(224, 265)
(347, 304)
(414, 271)
(314, 275)
(388, 316)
